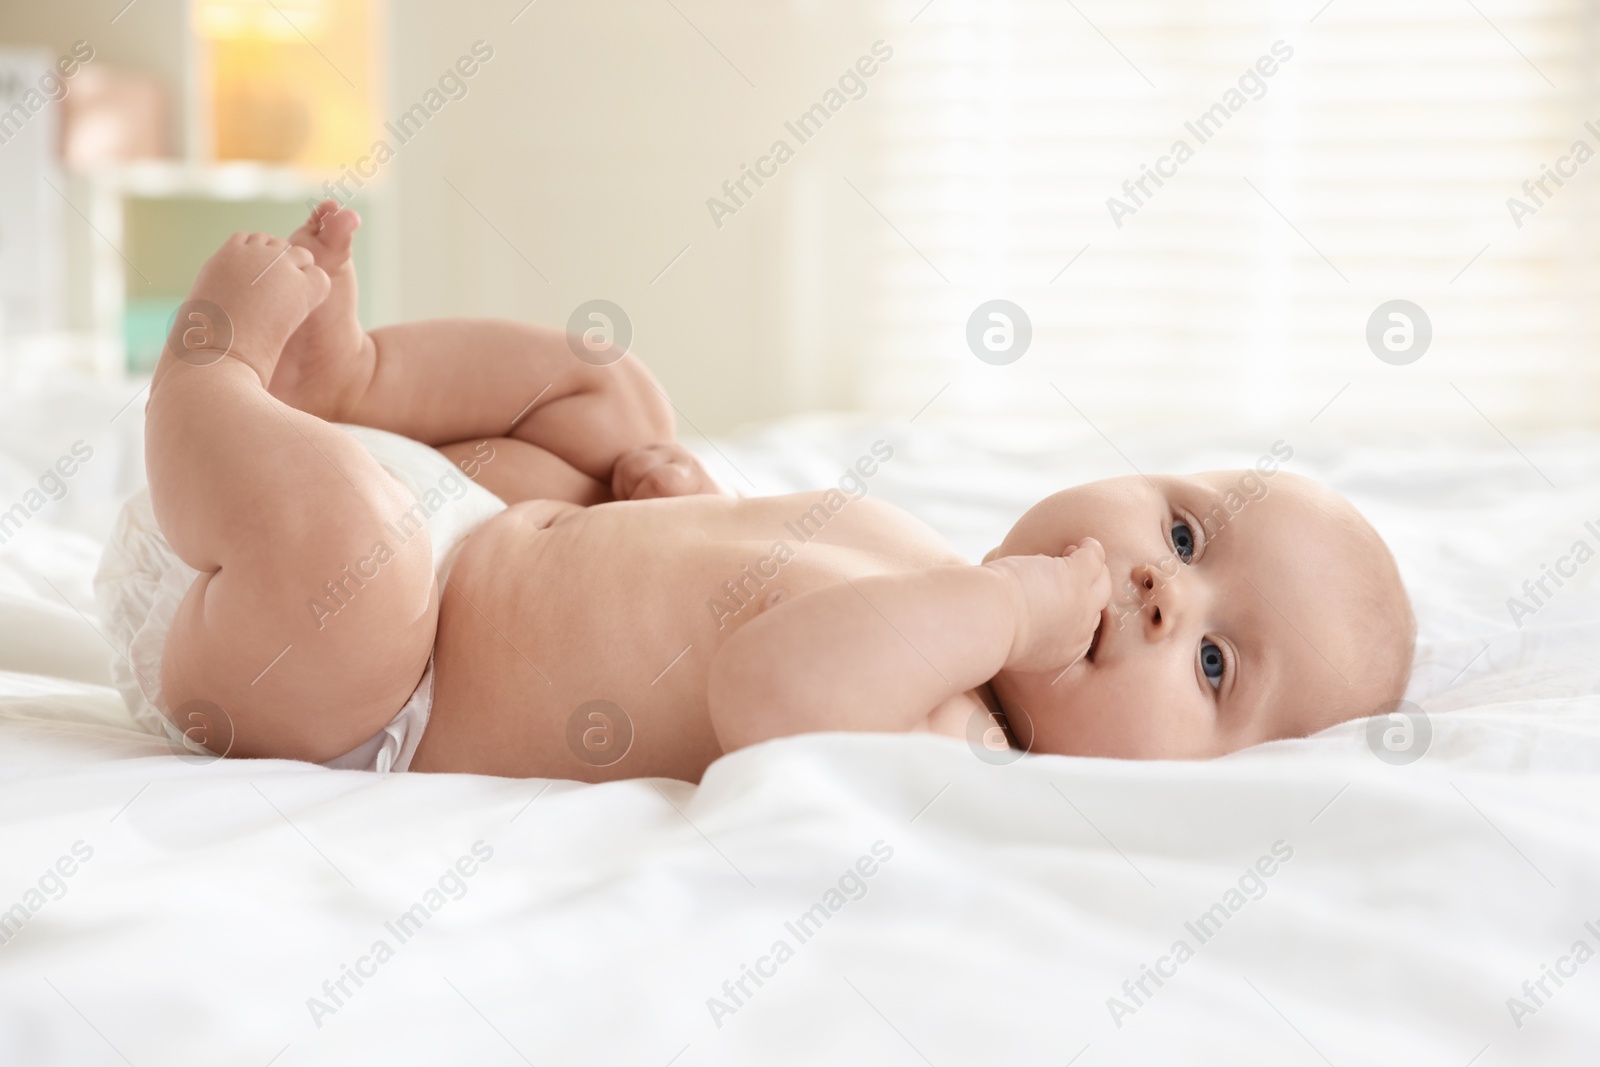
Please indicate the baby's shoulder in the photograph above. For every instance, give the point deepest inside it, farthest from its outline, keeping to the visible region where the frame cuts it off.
(874, 523)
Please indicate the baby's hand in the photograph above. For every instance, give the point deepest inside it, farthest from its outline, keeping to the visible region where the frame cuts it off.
(1059, 600)
(665, 469)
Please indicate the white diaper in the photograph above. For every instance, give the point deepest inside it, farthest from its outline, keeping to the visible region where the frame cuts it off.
(141, 582)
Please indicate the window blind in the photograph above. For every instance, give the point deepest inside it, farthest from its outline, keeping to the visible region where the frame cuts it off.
(1376, 161)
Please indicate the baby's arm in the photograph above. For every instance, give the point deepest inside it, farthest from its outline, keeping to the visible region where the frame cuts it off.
(516, 471)
(880, 653)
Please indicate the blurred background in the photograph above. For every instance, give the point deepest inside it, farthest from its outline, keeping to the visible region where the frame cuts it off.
(538, 155)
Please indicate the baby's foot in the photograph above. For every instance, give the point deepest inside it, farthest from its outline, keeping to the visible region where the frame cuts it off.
(247, 300)
(322, 358)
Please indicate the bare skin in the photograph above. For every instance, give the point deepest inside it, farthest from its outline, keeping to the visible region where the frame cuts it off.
(620, 573)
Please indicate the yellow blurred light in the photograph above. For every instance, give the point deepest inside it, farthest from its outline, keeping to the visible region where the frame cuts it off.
(260, 20)
(292, 81)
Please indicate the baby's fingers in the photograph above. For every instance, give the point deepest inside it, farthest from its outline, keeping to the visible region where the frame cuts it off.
(669, 479)
(631, 469)
(1086, 562)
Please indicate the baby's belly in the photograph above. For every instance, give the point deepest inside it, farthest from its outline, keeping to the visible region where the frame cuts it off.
(582, 650)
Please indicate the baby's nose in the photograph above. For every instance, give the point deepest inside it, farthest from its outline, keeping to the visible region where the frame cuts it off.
(1157, 591)
(1143, 577)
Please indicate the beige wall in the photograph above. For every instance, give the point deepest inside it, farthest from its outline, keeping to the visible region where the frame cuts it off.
(591, 141)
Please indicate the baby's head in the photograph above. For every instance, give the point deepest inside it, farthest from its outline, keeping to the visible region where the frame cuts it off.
(1245, 606)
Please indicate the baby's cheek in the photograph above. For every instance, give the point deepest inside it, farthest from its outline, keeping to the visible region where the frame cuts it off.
(1107, 712)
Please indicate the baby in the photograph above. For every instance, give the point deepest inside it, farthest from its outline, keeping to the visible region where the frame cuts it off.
(1143, 617)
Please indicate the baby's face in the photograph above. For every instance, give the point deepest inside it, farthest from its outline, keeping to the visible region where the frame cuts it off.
(1241, 611)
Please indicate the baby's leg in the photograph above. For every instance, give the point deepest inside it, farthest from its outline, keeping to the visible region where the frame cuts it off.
(329, 353)
(451, 380)
(279, 511)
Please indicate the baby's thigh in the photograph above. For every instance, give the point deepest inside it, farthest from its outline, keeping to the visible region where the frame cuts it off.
(309, 648)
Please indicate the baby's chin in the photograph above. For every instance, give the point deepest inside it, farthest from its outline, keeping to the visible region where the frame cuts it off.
(1031, 729)
(1072, 722)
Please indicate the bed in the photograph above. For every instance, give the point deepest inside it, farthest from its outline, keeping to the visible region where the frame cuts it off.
(843, 898)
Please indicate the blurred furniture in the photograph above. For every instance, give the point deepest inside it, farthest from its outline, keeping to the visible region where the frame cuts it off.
(112, 116)
(30, 265)
(160, 220)
(169, 150)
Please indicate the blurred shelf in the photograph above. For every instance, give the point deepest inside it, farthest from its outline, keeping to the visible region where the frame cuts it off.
(152, 223)
(163, 179)
(132, 234)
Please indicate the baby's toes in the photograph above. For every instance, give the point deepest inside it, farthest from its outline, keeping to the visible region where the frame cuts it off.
(313, 222)
(328, 234)
(339, 229)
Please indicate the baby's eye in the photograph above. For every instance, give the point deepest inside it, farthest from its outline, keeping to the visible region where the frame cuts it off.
(1211, 663)
(1183, 540)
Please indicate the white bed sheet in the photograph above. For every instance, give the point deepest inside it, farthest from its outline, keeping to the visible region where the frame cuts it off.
(219, 897)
